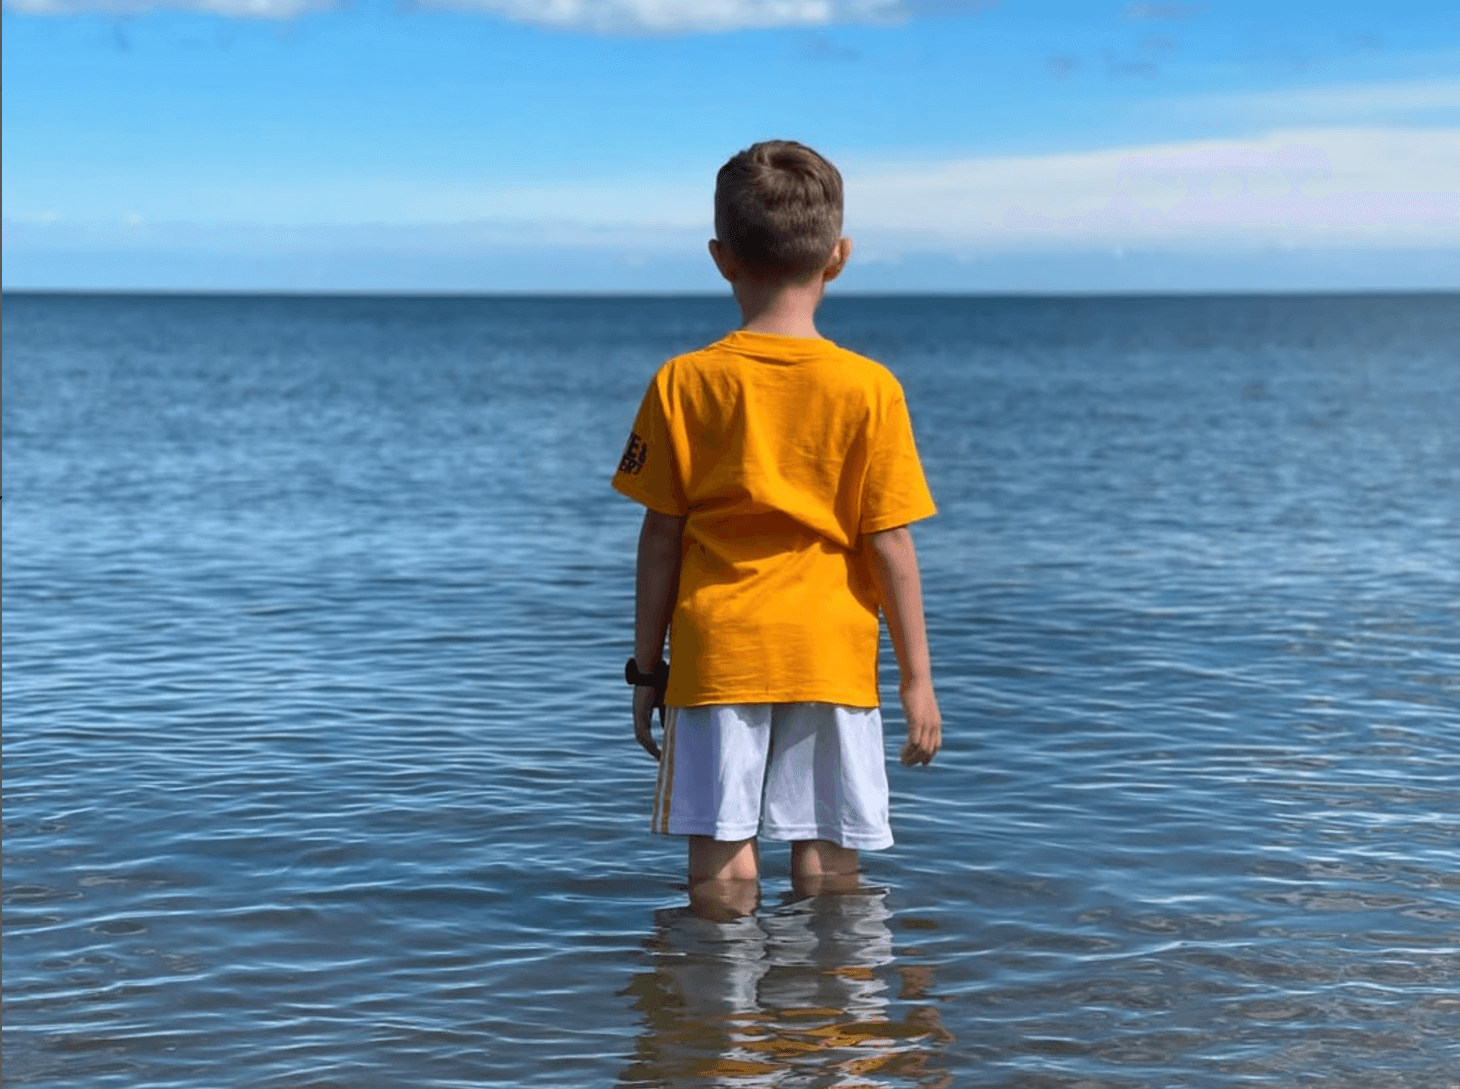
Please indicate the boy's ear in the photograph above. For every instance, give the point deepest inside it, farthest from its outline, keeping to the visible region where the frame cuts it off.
(724, 258)
(840, 254)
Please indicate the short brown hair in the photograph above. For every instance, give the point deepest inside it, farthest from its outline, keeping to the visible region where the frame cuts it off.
(778, 206)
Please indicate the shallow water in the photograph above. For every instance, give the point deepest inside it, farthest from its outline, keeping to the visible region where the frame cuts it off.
(317, 762)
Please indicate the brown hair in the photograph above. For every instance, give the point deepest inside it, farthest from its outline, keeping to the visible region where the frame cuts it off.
(778, 206)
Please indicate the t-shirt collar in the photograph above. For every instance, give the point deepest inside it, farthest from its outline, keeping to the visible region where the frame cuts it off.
(773, 346)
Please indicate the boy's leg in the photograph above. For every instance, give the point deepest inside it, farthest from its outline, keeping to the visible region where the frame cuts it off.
(710, 785)
(721, 860)
(723, 877)
(820, 867)
(822, 858)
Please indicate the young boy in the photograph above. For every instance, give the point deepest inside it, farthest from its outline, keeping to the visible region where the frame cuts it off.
(780, 476)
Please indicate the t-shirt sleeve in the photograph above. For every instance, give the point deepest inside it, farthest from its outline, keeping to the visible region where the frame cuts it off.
(895, 491)
(647, 472)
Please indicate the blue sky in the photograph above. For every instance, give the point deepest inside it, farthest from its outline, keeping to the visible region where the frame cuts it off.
(500, 145)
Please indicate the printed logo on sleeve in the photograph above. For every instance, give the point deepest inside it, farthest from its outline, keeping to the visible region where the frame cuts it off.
(634, 454)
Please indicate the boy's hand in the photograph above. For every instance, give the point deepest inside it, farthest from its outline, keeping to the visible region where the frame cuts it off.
(644, 698)
(924, 723)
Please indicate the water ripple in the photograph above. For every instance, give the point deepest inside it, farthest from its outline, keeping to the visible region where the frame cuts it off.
(316, 764)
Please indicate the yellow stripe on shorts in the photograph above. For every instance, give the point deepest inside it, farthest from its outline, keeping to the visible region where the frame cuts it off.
(663, 789)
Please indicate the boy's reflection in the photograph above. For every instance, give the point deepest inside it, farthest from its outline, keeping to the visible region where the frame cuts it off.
(803, 989)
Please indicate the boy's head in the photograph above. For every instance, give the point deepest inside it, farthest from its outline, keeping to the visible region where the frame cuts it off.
(778, 208)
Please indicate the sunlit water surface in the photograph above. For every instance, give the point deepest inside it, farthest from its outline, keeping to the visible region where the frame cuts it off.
(318, 768)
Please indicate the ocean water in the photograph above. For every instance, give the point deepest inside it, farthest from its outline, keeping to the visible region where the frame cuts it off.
(318, 768)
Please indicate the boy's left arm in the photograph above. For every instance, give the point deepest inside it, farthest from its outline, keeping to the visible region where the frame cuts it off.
(895, 572)
(655, 592)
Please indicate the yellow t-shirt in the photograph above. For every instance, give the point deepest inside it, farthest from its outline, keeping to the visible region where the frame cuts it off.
(783, 453)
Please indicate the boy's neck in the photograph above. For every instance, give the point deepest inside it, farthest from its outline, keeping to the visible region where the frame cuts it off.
(781, 309)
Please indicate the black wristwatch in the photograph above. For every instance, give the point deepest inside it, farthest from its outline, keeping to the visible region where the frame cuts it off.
(657, 680)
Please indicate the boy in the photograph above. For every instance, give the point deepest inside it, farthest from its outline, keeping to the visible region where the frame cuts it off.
(780, 476)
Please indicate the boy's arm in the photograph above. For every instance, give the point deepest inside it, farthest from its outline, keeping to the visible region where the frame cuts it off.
(656, 589)
(895, 574)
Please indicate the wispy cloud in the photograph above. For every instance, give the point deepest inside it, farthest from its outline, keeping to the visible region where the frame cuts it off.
(1363, 103)
(235, 9)
(1062, 64)
(679, 16)
(939, 9)
(1359, 188)
(1355, 188)
(1157, 9)
(819, 47)
(1351, 187)
(652, 17)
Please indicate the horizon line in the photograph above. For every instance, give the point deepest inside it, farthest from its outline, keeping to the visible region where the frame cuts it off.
(349, 293)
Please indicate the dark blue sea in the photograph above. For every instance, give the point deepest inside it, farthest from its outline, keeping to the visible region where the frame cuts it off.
(318, 766)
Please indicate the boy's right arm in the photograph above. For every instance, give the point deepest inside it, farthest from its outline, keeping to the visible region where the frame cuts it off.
(895, 574)
(656, 588)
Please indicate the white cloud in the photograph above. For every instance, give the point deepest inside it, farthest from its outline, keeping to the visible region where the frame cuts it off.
(679, 16)
(237, 9)
(592, 16)
(1350, 187)
(1397, 102)
(1371, 189)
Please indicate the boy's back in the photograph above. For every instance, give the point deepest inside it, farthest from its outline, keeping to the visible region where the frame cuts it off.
(781, 453)
(780, 475)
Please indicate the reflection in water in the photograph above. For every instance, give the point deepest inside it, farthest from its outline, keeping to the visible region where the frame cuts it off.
(807, 994)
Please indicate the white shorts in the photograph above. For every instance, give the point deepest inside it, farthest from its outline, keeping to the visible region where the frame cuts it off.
(792, 771)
